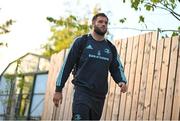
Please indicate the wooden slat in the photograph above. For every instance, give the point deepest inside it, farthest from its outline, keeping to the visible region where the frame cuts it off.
(50, 110)
(123, 57)
(131, 78)
(110, 100)
(68, 101)
(56, 68)
(144, 77)
(51, 86)
(115, 111)
(63, 105)
(150, 76)
(137, 77)
(176, 102)
(58, 64)
(127, 71)
(156, 80)
(171, 78)
(163, 81)
(123, 50)
(71, 101)
(46, 101)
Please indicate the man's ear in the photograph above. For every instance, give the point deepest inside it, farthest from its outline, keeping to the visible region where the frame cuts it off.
(93, 23)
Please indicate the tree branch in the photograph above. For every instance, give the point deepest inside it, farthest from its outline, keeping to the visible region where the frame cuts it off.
(169, 9)
(176, 15)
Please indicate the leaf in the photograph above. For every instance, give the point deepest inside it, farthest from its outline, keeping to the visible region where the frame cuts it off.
(175, 34)
(73, 17)
(50, 19)
(155, 1)
(122, 20)
(179, 28)
(141, 19)
(3, 44)
(149, 7)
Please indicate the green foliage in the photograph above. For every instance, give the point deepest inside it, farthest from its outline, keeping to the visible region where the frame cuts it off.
(3, 44)
(135, 3)
(9, 77)
(155, 1)
(176, 33)
(141, 19)
(150, 5)
(167, 5)
(64, 31)
(123, 20)
(4, 29)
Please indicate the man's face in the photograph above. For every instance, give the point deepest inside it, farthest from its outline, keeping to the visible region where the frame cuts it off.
(100, 25)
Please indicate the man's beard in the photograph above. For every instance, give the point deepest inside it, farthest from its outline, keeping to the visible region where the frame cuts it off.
(98, 31)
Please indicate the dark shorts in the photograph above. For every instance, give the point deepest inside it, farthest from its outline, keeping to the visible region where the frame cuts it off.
(86, 107)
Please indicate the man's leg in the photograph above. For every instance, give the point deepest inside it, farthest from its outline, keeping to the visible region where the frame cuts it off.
(97, 108)
(80, 112)
(80, 107)
(95, 115)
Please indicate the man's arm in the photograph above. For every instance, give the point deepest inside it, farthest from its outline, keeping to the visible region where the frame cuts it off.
(68, 65)
(117, 71)
(65, 71)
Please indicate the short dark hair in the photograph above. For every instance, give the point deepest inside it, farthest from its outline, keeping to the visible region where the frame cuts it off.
(99, 14)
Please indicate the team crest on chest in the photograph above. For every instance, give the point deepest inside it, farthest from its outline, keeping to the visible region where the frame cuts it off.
(107, 51)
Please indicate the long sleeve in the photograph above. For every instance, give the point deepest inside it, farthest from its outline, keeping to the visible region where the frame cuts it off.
(116, 69)
(68, 65)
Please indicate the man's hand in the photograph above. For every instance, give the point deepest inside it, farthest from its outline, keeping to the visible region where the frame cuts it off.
(57, 98)
(123, 87)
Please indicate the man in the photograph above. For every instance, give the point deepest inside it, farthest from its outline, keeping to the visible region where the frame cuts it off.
(90, 82)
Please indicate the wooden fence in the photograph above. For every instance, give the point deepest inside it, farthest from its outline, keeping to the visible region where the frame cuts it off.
(152, 68)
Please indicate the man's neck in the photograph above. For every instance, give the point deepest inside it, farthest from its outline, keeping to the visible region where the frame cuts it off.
(97, 37)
